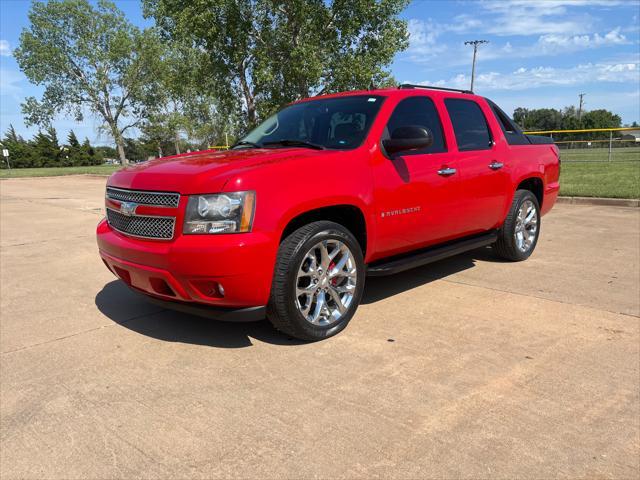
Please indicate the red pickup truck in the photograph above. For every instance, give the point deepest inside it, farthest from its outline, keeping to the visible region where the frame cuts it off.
(289, 222)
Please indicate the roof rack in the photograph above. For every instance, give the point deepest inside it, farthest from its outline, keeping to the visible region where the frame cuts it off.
(430, 87)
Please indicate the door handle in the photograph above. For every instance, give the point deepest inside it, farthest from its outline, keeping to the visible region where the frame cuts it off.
(446, 172)
(496, 165)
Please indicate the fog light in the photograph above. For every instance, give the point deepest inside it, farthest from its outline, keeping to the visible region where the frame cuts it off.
(209, 288)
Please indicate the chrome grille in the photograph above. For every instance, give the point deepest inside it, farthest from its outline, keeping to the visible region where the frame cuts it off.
(141, 226)
(158, 199)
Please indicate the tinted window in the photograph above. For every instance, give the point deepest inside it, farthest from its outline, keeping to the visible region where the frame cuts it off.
(511, 131)
(469, 124)
(421, 112)
(340, 123)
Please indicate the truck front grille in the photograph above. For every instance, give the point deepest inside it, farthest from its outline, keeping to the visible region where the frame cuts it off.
(157, 199)
(141, 226)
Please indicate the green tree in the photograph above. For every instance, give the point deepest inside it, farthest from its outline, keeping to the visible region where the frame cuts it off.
(520, 115)
(565, 119)
(12, 137)
(72, 152)
(72, 140)
(601, 119)
(569, 119)
(90, 156)
(106, 152)
(139, 151)
(155, 132)
(261, 54)
(88, 58)
(46, 149)
(20, 152)
(166, 120)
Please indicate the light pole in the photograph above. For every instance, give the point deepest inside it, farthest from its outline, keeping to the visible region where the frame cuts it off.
(475, 44)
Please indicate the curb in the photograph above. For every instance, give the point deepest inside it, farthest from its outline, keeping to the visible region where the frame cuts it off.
(609, 202)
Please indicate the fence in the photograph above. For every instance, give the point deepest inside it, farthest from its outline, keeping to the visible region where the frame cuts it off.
(597, 144)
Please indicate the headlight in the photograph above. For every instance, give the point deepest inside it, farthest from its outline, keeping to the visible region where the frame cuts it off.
(220, 213)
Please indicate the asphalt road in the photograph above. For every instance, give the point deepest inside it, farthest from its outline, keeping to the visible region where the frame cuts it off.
(467, 368)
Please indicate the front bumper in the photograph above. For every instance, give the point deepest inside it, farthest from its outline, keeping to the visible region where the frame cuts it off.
(228, 314)
(185, 269)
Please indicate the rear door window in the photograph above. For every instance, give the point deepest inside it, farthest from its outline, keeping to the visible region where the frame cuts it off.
(419, 112)
(469, 125)
(511, 131)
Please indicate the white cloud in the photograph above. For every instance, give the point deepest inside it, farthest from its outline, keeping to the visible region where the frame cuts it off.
(425, 45)
(526, 17)
(561, 27)
(614, 37)
(553, 4)
(5, 49)
(423, 37)
(529, 78)
(553, 42)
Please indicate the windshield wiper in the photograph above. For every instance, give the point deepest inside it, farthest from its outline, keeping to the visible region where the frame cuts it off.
(295, 143)
(246, 143)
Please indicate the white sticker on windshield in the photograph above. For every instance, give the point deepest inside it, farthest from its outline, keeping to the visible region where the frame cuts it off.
(371, 99)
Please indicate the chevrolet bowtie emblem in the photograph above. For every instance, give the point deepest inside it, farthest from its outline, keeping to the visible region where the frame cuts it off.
(128, 208)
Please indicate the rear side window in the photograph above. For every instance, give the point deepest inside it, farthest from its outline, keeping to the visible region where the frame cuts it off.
(420, 112)
(511, 131)
(469, 125)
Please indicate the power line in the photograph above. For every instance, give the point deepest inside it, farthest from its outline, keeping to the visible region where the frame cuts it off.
(475, 44)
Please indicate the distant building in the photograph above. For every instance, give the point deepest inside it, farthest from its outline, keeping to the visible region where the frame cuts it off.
(631, 135)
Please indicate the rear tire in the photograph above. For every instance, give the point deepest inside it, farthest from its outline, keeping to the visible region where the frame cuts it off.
(519, 234)
(317, 282)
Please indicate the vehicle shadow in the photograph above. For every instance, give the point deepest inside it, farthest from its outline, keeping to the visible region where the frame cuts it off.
(130, 309)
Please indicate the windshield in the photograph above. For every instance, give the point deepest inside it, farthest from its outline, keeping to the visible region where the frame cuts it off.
(336, 123)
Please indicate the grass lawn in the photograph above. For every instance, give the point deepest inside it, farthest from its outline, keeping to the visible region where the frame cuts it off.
(600, 179)
(600, 154)
(58, 171)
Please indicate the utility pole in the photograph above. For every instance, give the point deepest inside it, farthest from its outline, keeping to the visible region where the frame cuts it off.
(475, 44)
(581, 95)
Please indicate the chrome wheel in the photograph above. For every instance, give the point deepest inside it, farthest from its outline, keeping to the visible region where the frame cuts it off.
(526, 226)
(326, 282)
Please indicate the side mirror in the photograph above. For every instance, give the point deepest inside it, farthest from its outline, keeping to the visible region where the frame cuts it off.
(404, 139)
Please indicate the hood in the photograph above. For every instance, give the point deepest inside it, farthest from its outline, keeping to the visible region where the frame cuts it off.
(203, 172)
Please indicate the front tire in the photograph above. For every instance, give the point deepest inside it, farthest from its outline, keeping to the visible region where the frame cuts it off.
(318, 281)
(519, 234)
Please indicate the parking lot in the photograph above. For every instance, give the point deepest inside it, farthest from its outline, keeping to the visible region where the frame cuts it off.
(466, 368)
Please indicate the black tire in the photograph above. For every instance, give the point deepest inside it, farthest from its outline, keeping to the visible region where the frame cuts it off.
(506, 246)
(282, 311)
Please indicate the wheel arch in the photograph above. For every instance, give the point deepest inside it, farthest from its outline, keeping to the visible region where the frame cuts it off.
(535, 185)
(349, 216)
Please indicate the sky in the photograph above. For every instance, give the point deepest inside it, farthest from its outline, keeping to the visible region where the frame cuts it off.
(541, 53)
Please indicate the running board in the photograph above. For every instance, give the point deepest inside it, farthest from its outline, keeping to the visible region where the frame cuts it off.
(429, 255)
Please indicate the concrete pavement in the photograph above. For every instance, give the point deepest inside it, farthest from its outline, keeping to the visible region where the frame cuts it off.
(469, 368)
